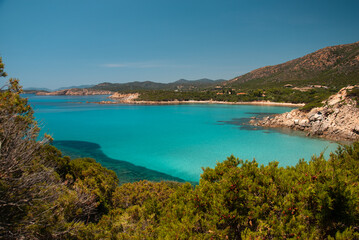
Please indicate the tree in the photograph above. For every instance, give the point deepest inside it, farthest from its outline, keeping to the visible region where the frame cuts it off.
(25, 179)
(2, 73)
(43, 195)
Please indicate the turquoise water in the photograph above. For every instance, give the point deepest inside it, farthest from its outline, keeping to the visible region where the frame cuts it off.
(176, 139)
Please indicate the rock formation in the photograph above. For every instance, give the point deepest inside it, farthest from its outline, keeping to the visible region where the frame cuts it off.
(125, 97)
(338, 119)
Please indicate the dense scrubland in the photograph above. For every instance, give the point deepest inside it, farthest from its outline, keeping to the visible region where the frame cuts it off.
(311, 98)
(45, 195)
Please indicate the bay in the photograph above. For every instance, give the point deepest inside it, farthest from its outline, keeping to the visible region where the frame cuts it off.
(173, 140)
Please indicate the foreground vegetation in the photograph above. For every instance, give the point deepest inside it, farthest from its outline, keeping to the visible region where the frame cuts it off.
(44, 195)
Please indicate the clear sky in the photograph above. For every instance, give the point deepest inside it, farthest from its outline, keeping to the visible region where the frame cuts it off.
(59, 43)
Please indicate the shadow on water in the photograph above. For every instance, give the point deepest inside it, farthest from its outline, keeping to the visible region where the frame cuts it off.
(243, 124)
(126, 172)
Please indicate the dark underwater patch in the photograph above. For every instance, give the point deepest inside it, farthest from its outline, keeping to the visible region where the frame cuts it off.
(126, 171)
(243, 123)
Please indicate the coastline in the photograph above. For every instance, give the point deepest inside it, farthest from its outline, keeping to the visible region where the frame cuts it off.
(336, 120)
(260, 103)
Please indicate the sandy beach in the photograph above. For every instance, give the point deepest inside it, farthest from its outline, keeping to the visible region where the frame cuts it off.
(264, 103)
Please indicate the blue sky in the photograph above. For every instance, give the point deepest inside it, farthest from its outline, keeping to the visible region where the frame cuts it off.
(57, 43)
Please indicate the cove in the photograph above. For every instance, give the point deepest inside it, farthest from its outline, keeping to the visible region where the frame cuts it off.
(175, 140)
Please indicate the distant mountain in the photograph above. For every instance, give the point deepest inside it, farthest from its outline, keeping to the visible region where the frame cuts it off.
(335, 66)
(81, 86)
(204, 82)
(34, 89)
(181, 84)
(148, 85)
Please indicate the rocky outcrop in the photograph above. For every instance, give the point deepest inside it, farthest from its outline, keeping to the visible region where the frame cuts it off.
(338, 119)
(124, 97)
(75, 92)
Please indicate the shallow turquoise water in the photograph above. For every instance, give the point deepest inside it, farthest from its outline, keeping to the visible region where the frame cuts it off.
(177, 139)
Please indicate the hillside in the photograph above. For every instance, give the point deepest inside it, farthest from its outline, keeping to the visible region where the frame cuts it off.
(335, 66)
(181, 84)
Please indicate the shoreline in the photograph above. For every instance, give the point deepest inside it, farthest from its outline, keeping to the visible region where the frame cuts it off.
(336, 120)
(259, 103)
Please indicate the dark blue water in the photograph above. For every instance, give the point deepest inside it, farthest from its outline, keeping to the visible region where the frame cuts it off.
(176, 139)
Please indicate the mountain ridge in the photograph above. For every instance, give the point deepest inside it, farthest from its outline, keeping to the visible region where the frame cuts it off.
(334, 65)
(181, 84)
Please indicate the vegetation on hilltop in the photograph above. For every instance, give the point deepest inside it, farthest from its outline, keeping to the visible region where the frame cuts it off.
(44, 195)
(336, 66)
(354, 94)
(181, 84)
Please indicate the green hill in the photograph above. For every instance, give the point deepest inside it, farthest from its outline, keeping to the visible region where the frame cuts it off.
(181, 84)
(335, 66)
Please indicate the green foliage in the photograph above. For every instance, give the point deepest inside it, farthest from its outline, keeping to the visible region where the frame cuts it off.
(354, 94)
(309, 106)
(25, 180)
(36, 180)
(239, 199)
(91, 177)
(286, 95)
(136, 211)
(138, 193)
(2, 73)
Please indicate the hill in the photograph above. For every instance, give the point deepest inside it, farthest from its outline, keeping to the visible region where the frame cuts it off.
(33, 90)
(181, 84)
(80, 86)
(335, 66)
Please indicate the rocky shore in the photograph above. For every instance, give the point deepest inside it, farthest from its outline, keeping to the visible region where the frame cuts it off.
(75, 92)
(337, 120)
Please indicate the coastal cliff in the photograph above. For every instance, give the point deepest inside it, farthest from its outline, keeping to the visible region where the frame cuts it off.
(75, 92)
(124, 97)
(337, 119)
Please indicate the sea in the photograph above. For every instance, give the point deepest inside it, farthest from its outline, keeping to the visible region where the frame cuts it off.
(168, 142)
